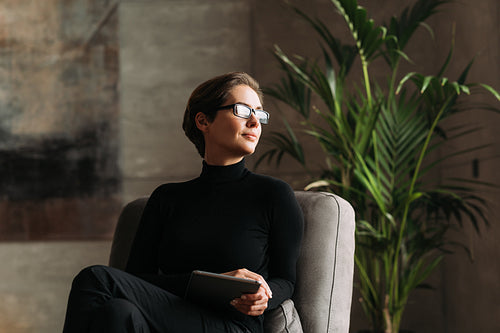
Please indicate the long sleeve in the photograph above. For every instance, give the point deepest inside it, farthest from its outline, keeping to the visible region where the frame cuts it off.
(143, 258)
(284, 244)
(144, 255)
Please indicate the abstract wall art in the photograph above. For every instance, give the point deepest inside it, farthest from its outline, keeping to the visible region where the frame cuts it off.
(59, 135)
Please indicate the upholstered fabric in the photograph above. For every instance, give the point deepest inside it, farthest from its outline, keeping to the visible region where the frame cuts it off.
(325, 268)
(323, 292)
(125, 232)
(283, 319)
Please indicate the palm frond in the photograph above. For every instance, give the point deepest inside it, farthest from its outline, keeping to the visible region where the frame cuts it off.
(367, 36)
(292, 91)
(283, 144)
(344, 54)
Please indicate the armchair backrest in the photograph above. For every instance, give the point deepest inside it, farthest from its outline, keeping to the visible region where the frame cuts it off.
(325, 267)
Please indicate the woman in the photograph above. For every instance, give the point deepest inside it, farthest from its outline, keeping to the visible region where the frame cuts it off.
(228, 220)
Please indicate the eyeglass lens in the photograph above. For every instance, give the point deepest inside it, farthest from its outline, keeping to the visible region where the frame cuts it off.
(244, 111)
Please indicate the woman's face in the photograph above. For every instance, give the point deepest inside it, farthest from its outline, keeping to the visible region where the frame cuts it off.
(229, 138)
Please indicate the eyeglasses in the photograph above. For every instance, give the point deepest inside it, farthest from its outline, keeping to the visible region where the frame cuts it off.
(243, 111)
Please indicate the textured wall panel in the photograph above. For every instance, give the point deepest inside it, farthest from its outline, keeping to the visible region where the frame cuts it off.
(166, 49)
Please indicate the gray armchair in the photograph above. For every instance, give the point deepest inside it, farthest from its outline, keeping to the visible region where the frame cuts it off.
(323, 292)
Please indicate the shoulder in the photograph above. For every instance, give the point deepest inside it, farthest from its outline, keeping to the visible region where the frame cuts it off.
(172, 190)
(268, 181)
(280, 200)
(271, 186)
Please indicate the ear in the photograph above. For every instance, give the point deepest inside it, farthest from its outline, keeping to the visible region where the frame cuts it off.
(201, 121)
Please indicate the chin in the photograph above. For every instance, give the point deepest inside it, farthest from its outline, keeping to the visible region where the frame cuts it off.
(247, 152)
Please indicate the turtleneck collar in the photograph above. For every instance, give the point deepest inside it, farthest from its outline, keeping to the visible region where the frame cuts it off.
(218, 173)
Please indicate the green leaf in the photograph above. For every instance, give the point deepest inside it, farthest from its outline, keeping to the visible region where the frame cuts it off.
(425, 84)
(316, 184)
(344, 54)
(404, 79)
(368, 37)
(491, 90)
(284, 144)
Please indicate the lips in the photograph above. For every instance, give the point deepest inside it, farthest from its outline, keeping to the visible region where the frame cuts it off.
(250, 136)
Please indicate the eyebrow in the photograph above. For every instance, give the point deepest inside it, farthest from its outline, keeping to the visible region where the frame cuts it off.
(257, 108)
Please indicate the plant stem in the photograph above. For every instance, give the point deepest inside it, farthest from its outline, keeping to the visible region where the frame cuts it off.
(387, 315)
(392, 83)
(366, 78)
(394, 281)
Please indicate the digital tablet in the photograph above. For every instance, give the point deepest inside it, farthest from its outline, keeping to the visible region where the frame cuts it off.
(218, 289)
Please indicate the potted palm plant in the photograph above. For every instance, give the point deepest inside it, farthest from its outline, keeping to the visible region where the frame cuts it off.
(378, 137)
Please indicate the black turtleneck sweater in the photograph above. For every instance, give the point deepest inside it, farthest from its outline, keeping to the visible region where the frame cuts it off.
(226, 219)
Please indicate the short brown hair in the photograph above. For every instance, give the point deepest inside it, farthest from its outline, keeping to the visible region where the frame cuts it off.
(207, 97)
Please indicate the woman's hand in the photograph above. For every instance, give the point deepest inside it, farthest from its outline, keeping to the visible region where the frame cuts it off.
(252, 304)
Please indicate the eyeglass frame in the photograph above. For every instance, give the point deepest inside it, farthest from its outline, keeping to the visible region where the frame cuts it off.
(254, 111)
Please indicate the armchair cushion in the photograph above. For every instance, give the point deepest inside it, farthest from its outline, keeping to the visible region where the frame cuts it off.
(125, 230)
(283, 319)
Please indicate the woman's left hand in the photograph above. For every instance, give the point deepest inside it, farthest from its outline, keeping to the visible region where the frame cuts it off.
(252, 304)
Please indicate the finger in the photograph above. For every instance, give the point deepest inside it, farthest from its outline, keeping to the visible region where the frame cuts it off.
(248, 303)
(245, 273)
(253, 310)
(267, 288)
(262, 281)
(257, 277)
(253, 298)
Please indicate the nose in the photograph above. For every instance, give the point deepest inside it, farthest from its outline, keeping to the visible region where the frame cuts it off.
(253, 121)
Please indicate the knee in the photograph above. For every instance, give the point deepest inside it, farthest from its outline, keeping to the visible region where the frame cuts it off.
(119, 306)
(88, 276)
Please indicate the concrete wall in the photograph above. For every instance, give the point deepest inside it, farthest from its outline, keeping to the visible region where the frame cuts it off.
(35, 279)
(167, 47)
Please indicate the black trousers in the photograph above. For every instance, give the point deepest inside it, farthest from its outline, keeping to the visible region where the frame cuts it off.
(108, 300)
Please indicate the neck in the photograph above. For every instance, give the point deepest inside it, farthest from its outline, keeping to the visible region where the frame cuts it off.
(223, 173)
(222, 161)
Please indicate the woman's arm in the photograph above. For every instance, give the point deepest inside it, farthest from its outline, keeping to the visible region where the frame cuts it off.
(143, 257)
(286, 229)
(285, 235)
